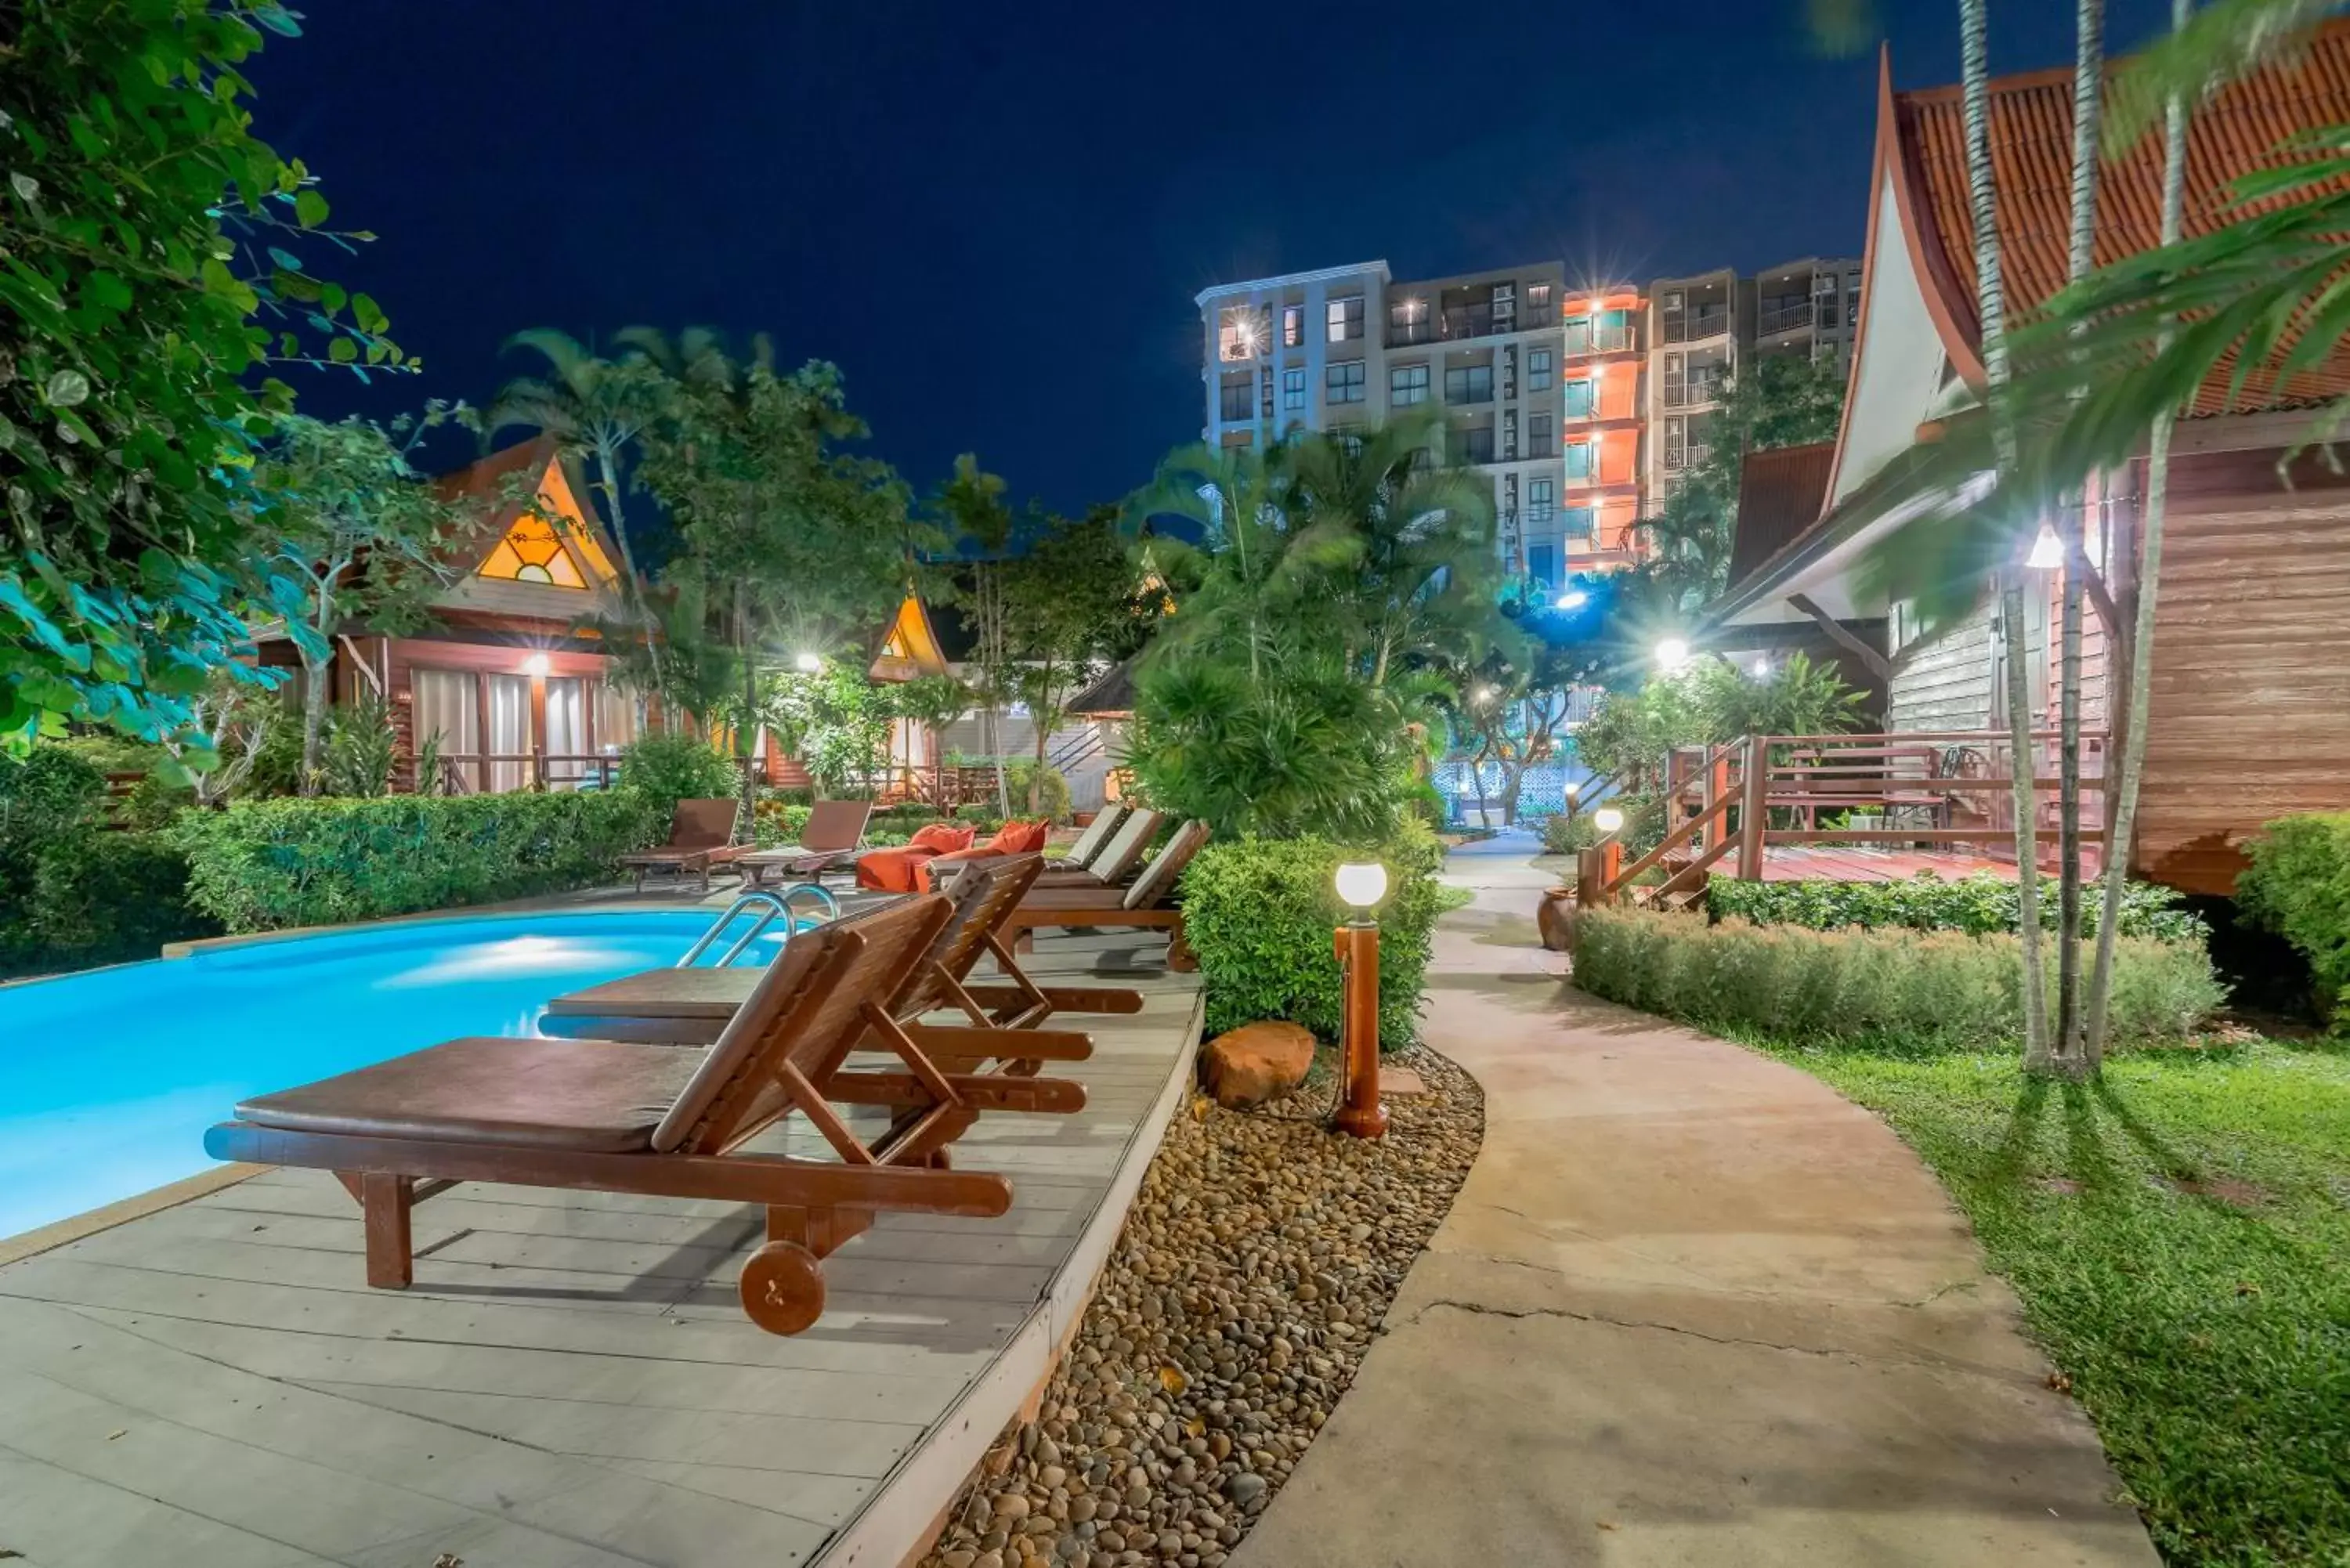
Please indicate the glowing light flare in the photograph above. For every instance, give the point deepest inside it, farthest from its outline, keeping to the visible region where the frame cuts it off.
(808, 663)
(1362, 883)
(537, 664)
(2047, 551)
(1672, 653)
(1607, 820)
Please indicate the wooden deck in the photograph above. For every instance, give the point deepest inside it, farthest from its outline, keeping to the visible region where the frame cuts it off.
(1870, 863)
(571, 1383)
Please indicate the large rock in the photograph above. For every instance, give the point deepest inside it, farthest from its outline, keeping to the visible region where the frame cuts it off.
(1257, 1062)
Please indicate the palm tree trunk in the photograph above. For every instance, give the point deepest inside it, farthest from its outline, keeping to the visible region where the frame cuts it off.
(2088, 87)
(1990, 301)
(608, 480)
(2122, 797)
(745, 731)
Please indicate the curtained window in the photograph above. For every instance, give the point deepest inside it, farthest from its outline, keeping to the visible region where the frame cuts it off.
(510, 732)
(447, 705)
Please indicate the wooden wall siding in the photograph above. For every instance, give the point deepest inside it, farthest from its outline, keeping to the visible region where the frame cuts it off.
(2250, 693)
(1944, 684)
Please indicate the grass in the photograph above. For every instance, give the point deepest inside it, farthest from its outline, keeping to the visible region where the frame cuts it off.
(2179, 1235)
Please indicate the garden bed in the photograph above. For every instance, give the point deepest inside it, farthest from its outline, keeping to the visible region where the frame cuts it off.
(1252, 1277)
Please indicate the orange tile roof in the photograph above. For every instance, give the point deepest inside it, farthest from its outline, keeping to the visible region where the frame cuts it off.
(1779, 494)
(2032, 163)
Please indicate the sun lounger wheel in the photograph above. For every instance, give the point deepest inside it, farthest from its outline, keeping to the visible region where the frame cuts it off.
(783, 1287)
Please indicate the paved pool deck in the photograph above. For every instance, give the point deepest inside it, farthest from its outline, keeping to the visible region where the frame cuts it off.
(1692, 1308)
(570, 1383)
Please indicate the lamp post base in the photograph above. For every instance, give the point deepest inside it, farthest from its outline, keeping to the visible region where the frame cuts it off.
(1357, 1121)
(1358, 956)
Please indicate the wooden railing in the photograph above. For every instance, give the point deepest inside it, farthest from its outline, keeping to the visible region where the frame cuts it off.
(503, 773)
(1921, 790)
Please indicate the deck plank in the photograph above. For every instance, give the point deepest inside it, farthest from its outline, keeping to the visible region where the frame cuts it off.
(571, 1380)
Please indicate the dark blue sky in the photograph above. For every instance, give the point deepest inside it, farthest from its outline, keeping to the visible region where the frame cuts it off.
(995, 217)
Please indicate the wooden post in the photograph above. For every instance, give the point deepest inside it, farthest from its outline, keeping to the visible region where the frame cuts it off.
(1586, 878)
(1359, 960)
(1611, 866)
(538, 730)
(1753, 816)
(482, 731)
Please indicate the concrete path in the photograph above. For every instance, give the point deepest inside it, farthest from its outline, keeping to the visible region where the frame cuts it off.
(1692, 1308)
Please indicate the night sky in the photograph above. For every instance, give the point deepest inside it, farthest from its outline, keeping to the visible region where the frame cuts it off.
(993, 218)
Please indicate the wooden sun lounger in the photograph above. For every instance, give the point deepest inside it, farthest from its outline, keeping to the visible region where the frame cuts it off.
(1119, 856)
(1149, 903)
(607, 1116)
(701, 836)
(691, 1006)
(834, 829)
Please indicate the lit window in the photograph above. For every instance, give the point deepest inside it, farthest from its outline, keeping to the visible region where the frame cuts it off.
(1292, 390)
(1343, 382)
(1538, 370)
(1579, 398)
(1240, 332)
(532, 553)
(1579, 460)
(1293, 327)
(1537, 297)
(1346, 319)
(1407, 385)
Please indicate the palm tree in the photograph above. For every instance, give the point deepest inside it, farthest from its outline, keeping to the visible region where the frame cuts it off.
(592, 407)
(1991, 303)
(2140, 652)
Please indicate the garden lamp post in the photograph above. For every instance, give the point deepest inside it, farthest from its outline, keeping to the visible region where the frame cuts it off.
(1361, 885)
(1600, 865)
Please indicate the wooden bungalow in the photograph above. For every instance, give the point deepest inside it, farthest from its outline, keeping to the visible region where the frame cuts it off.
(2250, 693)
(511, 679)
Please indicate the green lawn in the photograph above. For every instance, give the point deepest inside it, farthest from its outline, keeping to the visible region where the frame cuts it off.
(2179, 1234)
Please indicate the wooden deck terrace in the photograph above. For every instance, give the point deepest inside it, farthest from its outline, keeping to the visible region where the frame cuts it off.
(571, 1382)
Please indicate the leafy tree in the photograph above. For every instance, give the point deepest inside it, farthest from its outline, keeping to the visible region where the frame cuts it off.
(149, 271)
(1068, 597)
(361, 533)
(1710, 701)
(835, 720)
(790, 546)
(230, 725)
(979, 531)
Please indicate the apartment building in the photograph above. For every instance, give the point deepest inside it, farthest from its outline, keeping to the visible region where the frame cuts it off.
(1702, 327)
(1539, 381)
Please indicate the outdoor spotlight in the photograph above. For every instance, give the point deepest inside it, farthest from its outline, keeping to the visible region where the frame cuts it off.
(1362, 883)
(2047, 551)
(808, 663)
(1483, 694)
(1574, 599)
(1672, 654)
(1573, 790)
(535, 665)
(1761, 668)
(1607, 820)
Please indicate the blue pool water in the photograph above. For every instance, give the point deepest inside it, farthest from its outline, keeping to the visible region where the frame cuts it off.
(109, 1079)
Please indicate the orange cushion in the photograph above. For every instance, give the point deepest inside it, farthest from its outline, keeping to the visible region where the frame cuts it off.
(1020, 838)
(891, 870)
(942, 837)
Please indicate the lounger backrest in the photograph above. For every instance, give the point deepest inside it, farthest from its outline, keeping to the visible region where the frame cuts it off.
(1157, 883)
(984, 894)
(805, 1013)
(703, 824)
(835, 824)
(1097, 834)
(1125, 851)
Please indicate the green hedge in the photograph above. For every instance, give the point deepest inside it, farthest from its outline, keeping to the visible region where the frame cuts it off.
(1977, 905)
(263, 864)
(1260, 912)
(73, 892)
(1942, 989)
(2298, 887)
(666, 769)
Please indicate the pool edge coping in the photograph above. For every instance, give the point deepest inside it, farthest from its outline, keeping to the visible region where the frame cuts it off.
(74, 1227)
(197, 946)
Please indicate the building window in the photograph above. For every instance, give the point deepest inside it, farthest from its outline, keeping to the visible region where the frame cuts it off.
(1538, 370)
(1293, 391)
(1408, 320)
(1240, 332)
(1538, 435)
(1293, 327)
(1343, 382)
(1473, 444)
(1542, 500)
(1579, 460)
(1346, 319)
(1407, 385)
(1579, 398)
(1537, 301)
(1576, 524)
(1578, 334)
(1469, 384)
(1239, 399)
(1542, 564)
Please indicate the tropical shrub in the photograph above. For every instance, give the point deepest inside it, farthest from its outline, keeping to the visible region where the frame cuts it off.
(2298, 887)
(362, 749)
(1260, 912)
(1643, 830)
(666, 769)
(262, 865)
(72, 891)
(1976, 904)
(1933, 990)
(1706, 702)
(778, 821)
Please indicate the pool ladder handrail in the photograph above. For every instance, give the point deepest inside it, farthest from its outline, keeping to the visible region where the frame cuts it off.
(776, 904)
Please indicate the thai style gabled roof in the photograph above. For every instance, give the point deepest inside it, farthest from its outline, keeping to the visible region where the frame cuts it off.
(578, 553)
(2032, 163)
(1780, 492)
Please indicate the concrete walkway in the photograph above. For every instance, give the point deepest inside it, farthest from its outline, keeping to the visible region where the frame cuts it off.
(1692, 1308)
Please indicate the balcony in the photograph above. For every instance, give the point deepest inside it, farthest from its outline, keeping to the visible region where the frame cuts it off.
(1584, 338)
(1785, 315)
(1696, 326)
(1696, 393)
(1685, 456)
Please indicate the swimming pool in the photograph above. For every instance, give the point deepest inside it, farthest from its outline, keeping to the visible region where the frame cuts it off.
(109, 1079)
